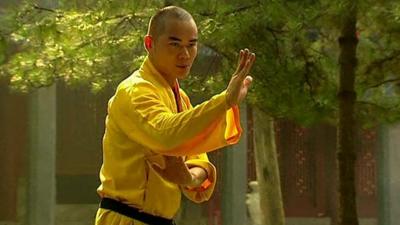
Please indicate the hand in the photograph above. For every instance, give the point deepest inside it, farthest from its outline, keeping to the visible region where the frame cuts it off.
(240, 81)
(176, 171)
(199, 176)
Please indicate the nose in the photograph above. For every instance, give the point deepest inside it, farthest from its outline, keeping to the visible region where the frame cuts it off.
(184, 54)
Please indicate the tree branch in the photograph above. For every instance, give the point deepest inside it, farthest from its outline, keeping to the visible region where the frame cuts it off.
(36, 6)
(384, 82)
(386, 109)
(380, 62)
(237, 10)
(215, 49)
(241, 9)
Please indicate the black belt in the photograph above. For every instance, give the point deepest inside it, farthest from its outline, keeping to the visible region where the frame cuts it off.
(121, 208)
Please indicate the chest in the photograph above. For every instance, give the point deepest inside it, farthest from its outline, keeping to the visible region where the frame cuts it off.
(175, 101)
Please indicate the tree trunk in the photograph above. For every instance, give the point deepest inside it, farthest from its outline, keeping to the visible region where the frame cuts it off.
(347, 211)
(267, 168)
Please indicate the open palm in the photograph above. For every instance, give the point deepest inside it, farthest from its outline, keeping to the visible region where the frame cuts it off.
(240, 82)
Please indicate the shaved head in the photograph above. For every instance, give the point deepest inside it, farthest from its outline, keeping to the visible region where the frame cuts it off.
(171, 43)
(158, 21)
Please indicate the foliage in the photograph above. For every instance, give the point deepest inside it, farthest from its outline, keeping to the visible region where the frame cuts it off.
(95, 44)
(98, 43)
(296, 71)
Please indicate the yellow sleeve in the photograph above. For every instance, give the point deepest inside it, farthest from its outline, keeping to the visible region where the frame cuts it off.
(142, 115)
(203, 162)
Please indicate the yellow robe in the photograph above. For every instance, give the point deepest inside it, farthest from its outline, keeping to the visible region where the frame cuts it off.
(142, 125)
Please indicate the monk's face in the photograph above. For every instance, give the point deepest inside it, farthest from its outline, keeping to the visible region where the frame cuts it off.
(175, 49)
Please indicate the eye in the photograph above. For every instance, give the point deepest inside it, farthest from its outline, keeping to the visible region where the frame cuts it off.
(191, 45)
(174, 44)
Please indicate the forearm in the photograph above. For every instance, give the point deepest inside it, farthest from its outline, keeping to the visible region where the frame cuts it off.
(148, 121)
(204, 191)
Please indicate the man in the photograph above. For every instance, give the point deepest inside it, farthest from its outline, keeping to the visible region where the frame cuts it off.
(155, 142)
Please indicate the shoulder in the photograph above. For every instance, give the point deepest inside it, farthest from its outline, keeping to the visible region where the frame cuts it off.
(135, 85)
(134, 91)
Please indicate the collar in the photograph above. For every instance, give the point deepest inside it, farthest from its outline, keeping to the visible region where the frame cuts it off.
(150, 72)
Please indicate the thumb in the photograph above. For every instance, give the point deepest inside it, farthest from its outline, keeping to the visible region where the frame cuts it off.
(247, 81)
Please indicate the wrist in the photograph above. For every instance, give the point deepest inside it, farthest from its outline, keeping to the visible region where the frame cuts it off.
(228, 100)
(202, 187)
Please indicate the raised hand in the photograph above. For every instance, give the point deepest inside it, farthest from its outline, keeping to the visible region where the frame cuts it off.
(240, 81)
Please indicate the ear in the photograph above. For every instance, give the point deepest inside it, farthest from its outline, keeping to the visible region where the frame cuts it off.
(148, 42)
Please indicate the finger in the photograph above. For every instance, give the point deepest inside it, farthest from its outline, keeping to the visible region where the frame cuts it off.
(246, 53)
(245, 87)
(249, 65)
(245, 70)
(239, 61)
(246, 57)
(247, 81)
(243, 61)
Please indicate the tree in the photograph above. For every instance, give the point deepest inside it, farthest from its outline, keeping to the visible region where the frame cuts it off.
(296, 75)
(95, 43)
(346, 122)
(92, 43)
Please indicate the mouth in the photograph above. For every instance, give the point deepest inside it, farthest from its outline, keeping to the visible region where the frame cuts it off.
(183, 66)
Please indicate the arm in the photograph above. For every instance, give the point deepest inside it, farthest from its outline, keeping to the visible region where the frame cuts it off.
(204, 190)
(192, 174)
(143, 117)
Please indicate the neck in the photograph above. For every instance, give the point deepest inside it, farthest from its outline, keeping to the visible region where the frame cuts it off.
(171, 81)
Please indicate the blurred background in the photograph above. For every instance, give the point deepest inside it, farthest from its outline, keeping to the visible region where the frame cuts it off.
(60, 62)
